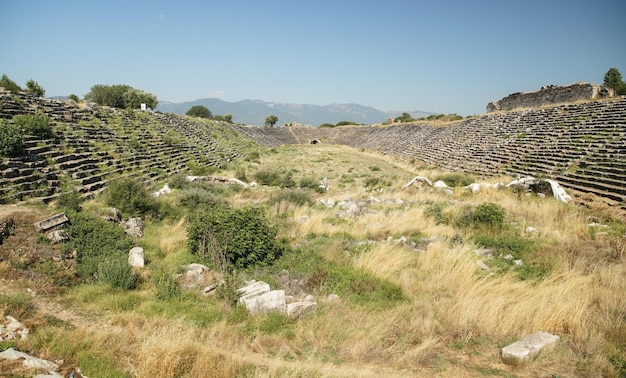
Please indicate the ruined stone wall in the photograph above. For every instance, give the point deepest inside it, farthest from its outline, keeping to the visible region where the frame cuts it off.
(549, 95)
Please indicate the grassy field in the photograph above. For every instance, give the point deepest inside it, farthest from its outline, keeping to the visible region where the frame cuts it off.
(413, 300)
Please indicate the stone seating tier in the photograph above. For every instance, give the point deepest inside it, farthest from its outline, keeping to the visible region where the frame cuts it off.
(583, 144)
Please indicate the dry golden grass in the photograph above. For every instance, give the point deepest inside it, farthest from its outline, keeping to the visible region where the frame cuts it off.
(453, 322)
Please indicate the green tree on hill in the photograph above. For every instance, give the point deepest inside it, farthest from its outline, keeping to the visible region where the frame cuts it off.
(271, 120)
(613, 80)
(9, 84)
(199, 111)
(33, 87)
(120, 96)
(405, 117)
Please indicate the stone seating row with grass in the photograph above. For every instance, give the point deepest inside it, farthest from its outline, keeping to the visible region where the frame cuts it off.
(582, 145)
(90, 148)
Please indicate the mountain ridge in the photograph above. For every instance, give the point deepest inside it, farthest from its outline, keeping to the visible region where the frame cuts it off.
(254, 111)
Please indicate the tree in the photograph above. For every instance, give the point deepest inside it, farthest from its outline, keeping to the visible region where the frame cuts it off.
(271, 120)
(405, 117)
(120, 96)
(33, 87)
(199, 111)
(9, 84)
(613, 80)
(228, 118)
(133, 98)
(73, 97)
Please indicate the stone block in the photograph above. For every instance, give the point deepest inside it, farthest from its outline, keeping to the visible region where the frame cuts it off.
(298, 309)
(251, 290)
(53, 221)
(271, 301)
(136, 257)
(530, 345)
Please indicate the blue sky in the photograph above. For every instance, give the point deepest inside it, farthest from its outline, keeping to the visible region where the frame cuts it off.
(438, 56)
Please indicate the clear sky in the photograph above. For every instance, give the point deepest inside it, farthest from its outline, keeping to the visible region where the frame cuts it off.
(439, 56)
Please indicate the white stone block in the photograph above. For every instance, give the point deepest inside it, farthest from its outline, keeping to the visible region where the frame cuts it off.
(253, 289)
(267, 302)
(530, 345)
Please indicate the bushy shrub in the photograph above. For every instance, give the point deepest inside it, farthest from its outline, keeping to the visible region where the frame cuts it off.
(455, 179)
(34, 124)
(297, 197)
(70, 201)
(116, 272)
(275, 178)
(362, 287)
(95, 240)
(436, 210)
(11, 140)
(178, 181)
(197, 198)
(233, 238)
(165, 285)
(487, 214)
(253, 156)
(131, 197)
(240, 174)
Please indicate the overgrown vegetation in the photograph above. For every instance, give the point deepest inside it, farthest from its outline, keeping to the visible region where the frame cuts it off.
(396, 285)
(233, 238)
(131, 197)
(101, 247)
(12, 132)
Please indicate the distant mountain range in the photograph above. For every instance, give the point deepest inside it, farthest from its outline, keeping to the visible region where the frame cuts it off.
(253, 112)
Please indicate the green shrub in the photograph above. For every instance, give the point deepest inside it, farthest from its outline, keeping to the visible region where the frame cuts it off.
(131, 197)
(233, 238)
(487, 214)
(11, 140)
(178, 181)
(95, 240)
(34, 124)
(20, 306)
(198, 198)
(374, 183)
(504, 244)
(297, 197)
(490, 214)
(436, 210)
(115, 271)
(361, 287)
(253, 156)
(456, 179)
(311, 183)
(275, 178)
(240, 174)
(165, 286)
(70, 202)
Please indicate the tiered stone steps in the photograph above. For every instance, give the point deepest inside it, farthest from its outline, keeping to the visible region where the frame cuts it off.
(93, 146)
(582, 145)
